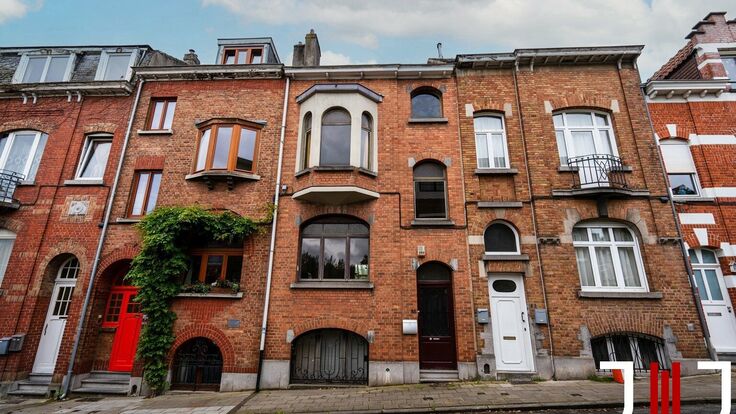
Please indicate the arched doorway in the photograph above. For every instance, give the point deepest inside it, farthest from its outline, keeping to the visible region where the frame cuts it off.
(197, 366)
(123, 314)
(329, 356)
(436, 317)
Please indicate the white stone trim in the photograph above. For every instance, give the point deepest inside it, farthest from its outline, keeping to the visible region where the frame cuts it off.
(723, 97)
(697, 218)
(708, 62)
(713, 192)
(475, 240)
(702, 235)
(469, 110)
(727, 250)
(703, 48)
(730, 281)
(712, 139)
(335, 189)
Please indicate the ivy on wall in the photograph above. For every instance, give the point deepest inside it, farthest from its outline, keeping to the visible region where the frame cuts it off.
(167, 235)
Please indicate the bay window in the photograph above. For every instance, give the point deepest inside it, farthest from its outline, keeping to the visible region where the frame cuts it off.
(490, 142)
(334, 248)
(335, 140)
(228, 147)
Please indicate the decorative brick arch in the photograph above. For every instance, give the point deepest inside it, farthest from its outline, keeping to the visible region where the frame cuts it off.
(332, 322)
(589, 101)
(123, 253)
(66, 247)
(337, 210)
(213, 334)
(430, 156)
(714, 240)
(101, 127)
(621, 321)
(35, 124)
(486, 105)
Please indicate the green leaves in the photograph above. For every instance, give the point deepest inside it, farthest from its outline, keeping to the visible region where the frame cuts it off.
(168, 233)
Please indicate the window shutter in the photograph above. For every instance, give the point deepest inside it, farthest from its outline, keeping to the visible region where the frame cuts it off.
(677, 158)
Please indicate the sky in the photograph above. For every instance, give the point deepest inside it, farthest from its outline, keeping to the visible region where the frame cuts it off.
(362, 31)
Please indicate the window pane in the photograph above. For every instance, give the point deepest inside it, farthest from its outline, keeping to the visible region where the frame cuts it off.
(335, 145)
(140, 194)
(31, 176)
(606, 144)
(234, 268)
(425, 105)
(34, 70)
(222, 147)
(560, 136)
(429, 170)
(20, 152)
(310, 259)
(359, 258)
(97, 159)
(117, 66)
(336, 229)
(313, 229)
(169, 114)
(578, 120)
(242, 57)
(708, 257)
(481, 148)
(214, 269)
(500, 238)
(204, 144)
(334, 258)
(730, 65)
(701, 285)
(499, 151)
(487, 123)
(629, 267)
(229, 57)
(256, 56)
(620, 234)
(580, 234)
(113, 308)
(195, 265)
(430, 199)
(358, 229)
(605, 266)
(365, 148)
(246, 150)
(600, 234)
(585, 266)
(601, 120)
(158, 109)
(583, 143)
(683, 184)
(6, 247)
(57, 69)
(153, 194)
(558, 120)
(693, 256)
(713, 286)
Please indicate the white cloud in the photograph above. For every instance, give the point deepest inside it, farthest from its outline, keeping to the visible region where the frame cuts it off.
(15, 9)
(329, 58)
(496, 25)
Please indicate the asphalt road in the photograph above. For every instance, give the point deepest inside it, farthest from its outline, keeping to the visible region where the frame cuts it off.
(686, 409)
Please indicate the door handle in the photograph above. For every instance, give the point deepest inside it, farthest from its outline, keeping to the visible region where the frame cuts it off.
(522, 317)
(45, 328)
(729, 309)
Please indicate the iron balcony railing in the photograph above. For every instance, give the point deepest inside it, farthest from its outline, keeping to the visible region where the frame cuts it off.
(8, 182)
(598, 171)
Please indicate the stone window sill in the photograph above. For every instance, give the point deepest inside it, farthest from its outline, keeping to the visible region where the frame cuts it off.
(348, 168)
(500, 204)
(432, 223)
(428, 120)
(506, 257)
(126, 220)
(686, 199)
(27, 183)
(619, 295)
(211, 295)
(155, 132)
(496, 171)
(84, 182)
(336, 284)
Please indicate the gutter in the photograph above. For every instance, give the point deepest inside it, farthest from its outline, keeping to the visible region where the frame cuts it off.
(272, 247)
(66, 384)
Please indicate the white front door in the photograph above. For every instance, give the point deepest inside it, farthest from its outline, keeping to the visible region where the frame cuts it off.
(511, 336)
(53, 328)
(719, 313)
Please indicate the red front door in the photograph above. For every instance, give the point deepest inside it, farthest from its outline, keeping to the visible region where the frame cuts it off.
(128, 329)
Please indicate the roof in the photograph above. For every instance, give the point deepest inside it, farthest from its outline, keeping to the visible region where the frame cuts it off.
(675, 61)
(553, 56)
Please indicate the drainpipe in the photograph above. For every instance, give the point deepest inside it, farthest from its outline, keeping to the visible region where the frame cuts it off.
(272, 248)
(95, 264)
(686, 261)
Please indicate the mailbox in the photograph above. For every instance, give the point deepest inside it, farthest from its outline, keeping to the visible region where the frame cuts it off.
(540, 316)
(16, 342)
(409, 326)
(4, 343)
(482, 315)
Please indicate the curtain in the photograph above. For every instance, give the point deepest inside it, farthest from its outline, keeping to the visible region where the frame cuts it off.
(628, 266)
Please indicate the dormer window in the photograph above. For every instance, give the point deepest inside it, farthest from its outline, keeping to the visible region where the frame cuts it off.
(243, 56)
(115, 65)
(44, 68)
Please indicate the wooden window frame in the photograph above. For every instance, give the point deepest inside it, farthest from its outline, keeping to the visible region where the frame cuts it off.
(249, 55)
(205, 253)
(419, 179)
(234, 144)
(348, 237)
(152, 109)
(147, 194)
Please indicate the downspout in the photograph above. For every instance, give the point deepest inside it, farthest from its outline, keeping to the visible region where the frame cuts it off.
(95, 264)
(686, 261)
(272, 248)
(534, 225)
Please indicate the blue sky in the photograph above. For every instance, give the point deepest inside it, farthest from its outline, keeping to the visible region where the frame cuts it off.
(361, 31)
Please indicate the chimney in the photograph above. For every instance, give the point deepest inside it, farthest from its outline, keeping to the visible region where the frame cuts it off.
(191, 58)
(311, 49)
(298, 58)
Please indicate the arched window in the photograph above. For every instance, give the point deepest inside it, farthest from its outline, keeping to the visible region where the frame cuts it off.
(7, 238)
(21, 151)
(334, 248)
(678, 162)
(583, 133)
(501, 238)
(69, 270)
(197, 366)
(430, 191)
(490, 141)
(335, 140)
(426, 103)
(608, 258)
(366, 136)
(306, 140)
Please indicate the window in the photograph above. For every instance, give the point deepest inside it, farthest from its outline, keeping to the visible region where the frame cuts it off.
(242, 56)
(501, 238)
(490, 142)
(161, 114)
(583, 133)
(430, 191)
(7, 238)
(366, 136)
(114, 66)
(608, 258)
(145, 193)
(306, 140)
(730, 64)
(69, 270)
(44, 68)
(21, 151)
(212, 265)
(94, 157)
(230, 147)
(639, 348)
(426, 103)
(334, 248)
(335, 141)
(678, 162)
(707, 272)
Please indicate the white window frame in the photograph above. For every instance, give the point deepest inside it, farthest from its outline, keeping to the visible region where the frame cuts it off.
(693, 172)
(702, 267)
(20, 71)
(568, 130)
(516, 237)
(87, 153)
(489, 134)
(104, 58)
(6, 235)
(32, 152)
(613, 245)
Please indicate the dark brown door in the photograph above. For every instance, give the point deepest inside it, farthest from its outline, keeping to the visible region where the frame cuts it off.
(436, 318)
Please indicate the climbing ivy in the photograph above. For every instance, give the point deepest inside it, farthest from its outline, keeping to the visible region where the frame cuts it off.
(168, 233)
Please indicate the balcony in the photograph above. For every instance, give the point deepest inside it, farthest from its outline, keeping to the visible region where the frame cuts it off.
(598, 174)
(8, 182)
